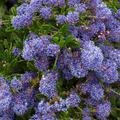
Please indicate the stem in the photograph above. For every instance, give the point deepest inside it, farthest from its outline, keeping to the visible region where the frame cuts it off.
(54, 66)
(115, 92)
(79, 109)
(118, 109)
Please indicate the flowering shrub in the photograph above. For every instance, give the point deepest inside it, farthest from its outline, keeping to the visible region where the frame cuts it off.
(60, 60)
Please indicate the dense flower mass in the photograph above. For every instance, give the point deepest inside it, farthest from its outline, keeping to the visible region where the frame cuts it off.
(23, 102)
(48, 84)
(103, 110)
(32, 48)
(97, 92)
(42, 63)
(91, 56)
(16, 84)
(46, 12)
(22, 21)
(73, 100)
(72, 17)
(22, 9)
(61, 19)
(86, 114)
(108, 71)
(52, 50)
(76, 69)
(69, 64)
(5, 96)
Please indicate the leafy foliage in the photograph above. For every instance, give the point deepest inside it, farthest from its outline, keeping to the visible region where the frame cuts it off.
(11, 65)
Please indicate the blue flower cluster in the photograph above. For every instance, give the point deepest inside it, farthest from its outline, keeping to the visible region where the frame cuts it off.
(48, 84)
(91, 67)
(91, 56)
(48, 111)
(16, 52)
(86, 114)
(5, 96)
(16, 97)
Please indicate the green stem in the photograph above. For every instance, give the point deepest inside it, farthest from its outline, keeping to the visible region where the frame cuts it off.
(54, 66)
(115, 92)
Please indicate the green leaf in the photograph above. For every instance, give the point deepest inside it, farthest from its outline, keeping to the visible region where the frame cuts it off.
(62, 43)
(72, 42)
(13, 11)
(31, 66)
(55, 40)
(64, 29)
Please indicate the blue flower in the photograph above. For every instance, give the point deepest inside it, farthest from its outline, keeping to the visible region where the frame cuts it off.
(72, 17)
(46, 12)
(48, 84)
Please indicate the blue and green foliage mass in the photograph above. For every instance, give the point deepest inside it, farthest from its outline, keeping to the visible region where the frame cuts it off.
(59, 59)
